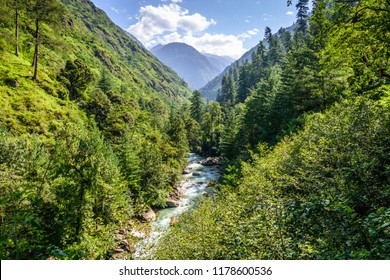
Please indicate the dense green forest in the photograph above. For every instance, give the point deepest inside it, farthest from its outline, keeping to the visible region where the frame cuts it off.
(304, 134)
(94, 131)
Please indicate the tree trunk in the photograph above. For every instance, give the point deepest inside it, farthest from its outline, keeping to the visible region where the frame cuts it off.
(36, 52)
(17, 30)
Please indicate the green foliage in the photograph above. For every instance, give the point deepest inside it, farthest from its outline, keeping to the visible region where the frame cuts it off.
(322, 190)
(197, 106)
(299, 200)
(56, 197)
(76, 77)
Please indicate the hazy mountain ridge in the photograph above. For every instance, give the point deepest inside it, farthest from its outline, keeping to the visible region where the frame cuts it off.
(194, 67)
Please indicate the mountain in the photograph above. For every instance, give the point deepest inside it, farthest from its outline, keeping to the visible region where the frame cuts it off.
(221, 62)
(210, 90)
(195, 68)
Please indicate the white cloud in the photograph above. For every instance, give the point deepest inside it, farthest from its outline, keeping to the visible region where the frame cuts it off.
(218, 44)
(168, 23)
(115, 10)
(156, 21)
(249, 34)
(290, 13)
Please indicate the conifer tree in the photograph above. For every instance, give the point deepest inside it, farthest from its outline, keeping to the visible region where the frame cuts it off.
(302, 15)
(43, 11)
(228, 97)
(197, 106)
(17, 6)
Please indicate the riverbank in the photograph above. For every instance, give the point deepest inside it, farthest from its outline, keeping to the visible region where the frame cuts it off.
(193, 187)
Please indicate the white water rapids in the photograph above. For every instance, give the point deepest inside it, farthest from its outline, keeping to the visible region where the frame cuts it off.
(194, 185)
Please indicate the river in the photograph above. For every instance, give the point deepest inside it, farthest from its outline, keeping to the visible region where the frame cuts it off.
(194, 186)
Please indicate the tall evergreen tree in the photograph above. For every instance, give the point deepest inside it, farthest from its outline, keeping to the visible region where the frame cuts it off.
(17, 6)
(178, 135)
(197, 106)
(105, 81)
(43, 11)
(228, 96)
(302, 15)
(245, 82)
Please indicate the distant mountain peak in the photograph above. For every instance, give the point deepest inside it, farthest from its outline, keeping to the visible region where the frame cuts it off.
(195, 68)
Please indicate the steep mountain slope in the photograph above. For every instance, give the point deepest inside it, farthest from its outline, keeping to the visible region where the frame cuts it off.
(88, 34)
(191, 65)
(210, 90)
(220, 62)
(142, 65)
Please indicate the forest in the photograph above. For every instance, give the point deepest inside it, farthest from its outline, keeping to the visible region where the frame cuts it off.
(94, 131)
(303, 131)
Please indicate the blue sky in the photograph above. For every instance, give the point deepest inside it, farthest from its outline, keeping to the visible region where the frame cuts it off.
(221, 27)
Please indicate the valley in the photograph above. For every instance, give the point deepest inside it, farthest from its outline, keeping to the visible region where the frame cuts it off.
(127, 143)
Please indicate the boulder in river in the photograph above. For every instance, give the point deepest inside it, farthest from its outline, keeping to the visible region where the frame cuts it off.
(186, 172)
(197, 174)
(210, 161)
(172, 203)
(149, 215)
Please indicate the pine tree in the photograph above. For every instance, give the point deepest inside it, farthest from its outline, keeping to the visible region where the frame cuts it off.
(257, 118)
(245, 82)
(43, 11)
(212, 126)
(105, 82)
(229, 142)
(302, 15)
(228, 96)
(197, 106)
(17, 6)
(178, 136)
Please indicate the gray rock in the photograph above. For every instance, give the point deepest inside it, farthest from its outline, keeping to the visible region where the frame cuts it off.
(14, 83)
(197, 174)
(149, 215)
(172, 203)
(210, 161)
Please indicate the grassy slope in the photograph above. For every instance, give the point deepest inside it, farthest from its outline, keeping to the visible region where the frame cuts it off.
(86, 33)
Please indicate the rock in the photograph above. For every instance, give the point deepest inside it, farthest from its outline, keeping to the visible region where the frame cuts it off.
(210, 161)
(125, 243)
(174, 220)
(186, 172)
(138, 234)
(14, 83)
(119, 250)
(172, 203)
(149, 216)
(118, 238)
(122, 231)
(197, 174)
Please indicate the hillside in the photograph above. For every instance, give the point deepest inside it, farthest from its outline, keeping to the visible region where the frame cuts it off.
(195, 68)
(211, 89)
(88, 138)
